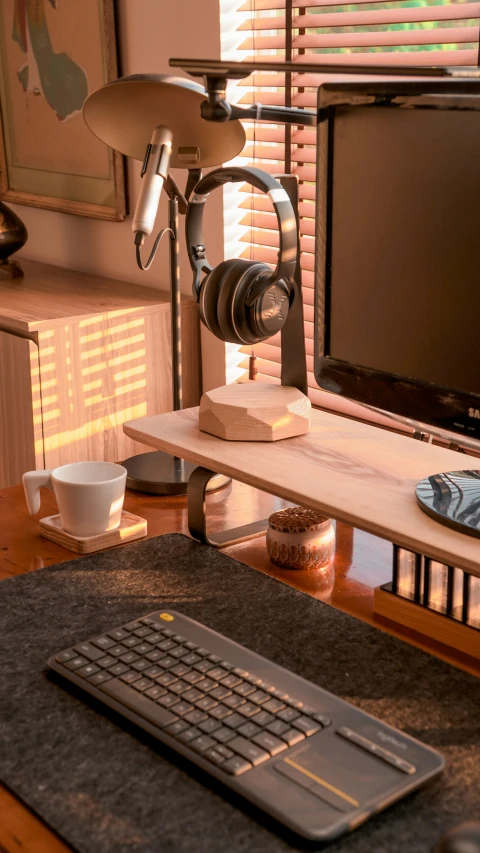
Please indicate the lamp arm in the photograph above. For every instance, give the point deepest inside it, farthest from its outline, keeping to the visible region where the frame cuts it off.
(217, 108)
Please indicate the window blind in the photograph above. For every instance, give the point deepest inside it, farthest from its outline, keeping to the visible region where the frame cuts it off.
(393, 32)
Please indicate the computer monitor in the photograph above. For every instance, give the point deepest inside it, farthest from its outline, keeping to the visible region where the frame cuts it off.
(397, 275)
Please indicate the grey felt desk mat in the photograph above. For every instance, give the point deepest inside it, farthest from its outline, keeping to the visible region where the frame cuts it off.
(104, 790)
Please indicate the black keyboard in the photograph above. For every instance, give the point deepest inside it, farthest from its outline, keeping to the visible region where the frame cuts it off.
(314, 762)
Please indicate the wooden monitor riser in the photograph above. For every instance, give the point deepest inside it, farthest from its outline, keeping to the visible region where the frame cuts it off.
(357, 473)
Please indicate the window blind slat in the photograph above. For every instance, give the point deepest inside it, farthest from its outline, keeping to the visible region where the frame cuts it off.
(450, 12)
(398, 38)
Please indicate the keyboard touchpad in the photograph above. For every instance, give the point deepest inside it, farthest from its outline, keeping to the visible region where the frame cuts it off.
(337, 772)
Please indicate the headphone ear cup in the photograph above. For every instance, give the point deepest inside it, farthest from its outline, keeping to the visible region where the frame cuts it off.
(208, 298)
(257, 278)
(239, 272)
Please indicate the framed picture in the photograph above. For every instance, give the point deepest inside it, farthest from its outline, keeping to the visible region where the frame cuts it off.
(53, 53)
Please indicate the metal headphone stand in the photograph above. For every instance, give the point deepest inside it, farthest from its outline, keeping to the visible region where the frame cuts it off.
(159, 473)
(293, 373)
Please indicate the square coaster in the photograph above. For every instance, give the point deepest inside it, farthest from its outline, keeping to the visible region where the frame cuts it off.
(131, 527)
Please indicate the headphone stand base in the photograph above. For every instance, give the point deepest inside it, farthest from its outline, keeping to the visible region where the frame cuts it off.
(160, 473)
(254, 411)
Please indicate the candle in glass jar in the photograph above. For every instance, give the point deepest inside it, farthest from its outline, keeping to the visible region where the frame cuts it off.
(300, 538)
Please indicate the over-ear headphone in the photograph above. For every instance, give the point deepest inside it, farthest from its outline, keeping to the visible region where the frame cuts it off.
(240, 301)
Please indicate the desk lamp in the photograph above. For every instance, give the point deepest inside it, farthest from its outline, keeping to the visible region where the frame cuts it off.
(155, 118)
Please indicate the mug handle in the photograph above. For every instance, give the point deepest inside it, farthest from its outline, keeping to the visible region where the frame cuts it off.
(32, 483)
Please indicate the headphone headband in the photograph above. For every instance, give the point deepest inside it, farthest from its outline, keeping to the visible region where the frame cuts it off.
(287, 224)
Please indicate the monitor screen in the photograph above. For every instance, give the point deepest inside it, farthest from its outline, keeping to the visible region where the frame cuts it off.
(398, 263)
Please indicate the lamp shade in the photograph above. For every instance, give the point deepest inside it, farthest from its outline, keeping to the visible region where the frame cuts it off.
(124, 113)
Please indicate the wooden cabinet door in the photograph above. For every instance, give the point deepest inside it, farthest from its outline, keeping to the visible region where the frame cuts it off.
(21, 439)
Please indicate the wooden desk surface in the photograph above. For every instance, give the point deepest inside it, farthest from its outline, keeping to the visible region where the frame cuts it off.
(355, 472)
(362, 562)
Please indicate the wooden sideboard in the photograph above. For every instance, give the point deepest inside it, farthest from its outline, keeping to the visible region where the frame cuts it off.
(79, 355)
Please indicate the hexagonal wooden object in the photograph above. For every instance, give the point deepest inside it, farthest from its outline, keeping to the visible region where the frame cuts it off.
(254, 411)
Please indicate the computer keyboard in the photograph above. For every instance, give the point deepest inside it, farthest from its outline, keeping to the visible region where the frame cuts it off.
(312, 761)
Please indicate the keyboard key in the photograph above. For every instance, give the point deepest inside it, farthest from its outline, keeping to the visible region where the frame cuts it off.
(191, 658)
(189, 734)
(103, 642)
(217, 673)
(154, 655)
(234, 701)
(294, 703)
(99, 677)
(264, 718)
(259, 697)
(231, 681)
(130, 677)
(179, 687)
(180, 639)
(240, 672)
(192, 695)
(179, 652)
(220, 693)
(203, 652)
(206, 684)
(180, 669)
(273, 705)
(253, 753)
(88, 651)
(152, 711)
(233, 721)
(278, 727)
(213, 755)
(206, 703)
(168, 700)
(167, 662)
(193, 677)
(129, 657)
(244, 689)
(118, 669)
(202, 743)
(148, 620)
(140, 664)
(265, 685)
(132, 626)
(249, 730)
(195, 717)
(76, 662)
(322, 719)
(224, 751)
(143, 632)
(142, 684)
(131, 642)
(288, 715)
(106, 661)
(143, 649)
(214, 658)
(88, 669)
(153, 638)
(166, 679)
(225, 664)
(269, 742)
(166, 645)
(191, 645)
(292, 736)
(223, 735)
(236, 766)
(253, 679)
(209, 726)
(167, 632)
(117, 635)
(203, 665)
(220, 712)
(177, 728)
(116, 651)
(183, 708)
(68, 655)
(153, 672)
(155, 692)
(307, 726)
(248, 710)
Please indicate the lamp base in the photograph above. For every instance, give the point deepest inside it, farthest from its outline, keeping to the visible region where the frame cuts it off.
(159, 473)
(10, 269)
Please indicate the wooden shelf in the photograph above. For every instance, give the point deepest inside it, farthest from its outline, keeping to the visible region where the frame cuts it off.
(357, 473)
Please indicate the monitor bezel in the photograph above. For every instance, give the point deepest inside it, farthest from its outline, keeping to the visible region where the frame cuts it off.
(418, 400)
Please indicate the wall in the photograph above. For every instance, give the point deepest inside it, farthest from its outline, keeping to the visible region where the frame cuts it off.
(149, 33)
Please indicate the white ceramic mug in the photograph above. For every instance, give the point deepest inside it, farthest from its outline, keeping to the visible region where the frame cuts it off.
(89, 495)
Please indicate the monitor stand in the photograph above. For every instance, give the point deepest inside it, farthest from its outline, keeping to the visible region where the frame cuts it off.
(452, 498)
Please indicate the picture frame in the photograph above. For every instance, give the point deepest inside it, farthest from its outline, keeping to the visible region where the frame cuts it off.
(52, 55)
